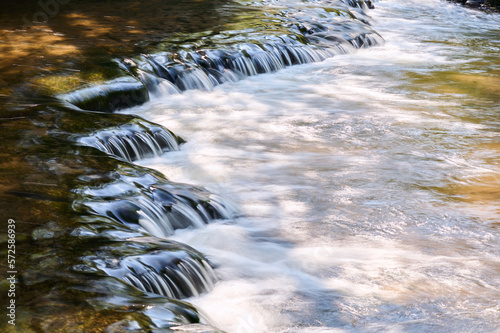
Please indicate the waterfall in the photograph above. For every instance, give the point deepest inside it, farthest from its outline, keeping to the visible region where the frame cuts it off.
(205, 69)
(154, 205)
(174, 274)
(133, 141)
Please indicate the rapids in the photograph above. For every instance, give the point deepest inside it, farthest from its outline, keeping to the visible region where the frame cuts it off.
(368, 182)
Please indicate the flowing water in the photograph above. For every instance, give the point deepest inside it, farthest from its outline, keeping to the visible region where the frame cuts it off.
(343, 165)
(368, 183)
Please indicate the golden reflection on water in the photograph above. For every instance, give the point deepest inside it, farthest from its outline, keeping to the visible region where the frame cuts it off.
(481, 191)
(470, 92)
(476, 84)
(68, 49)
(483, 85)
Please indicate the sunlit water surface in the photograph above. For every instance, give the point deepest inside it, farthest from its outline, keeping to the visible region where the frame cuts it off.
(367, 184)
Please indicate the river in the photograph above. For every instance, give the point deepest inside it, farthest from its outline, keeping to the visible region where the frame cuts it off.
(361, 192)
(368, 183)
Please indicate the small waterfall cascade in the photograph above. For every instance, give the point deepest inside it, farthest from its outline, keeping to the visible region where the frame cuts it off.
(311, 35)
(157, 206)
(134, 141)
(174, 274)
(143, 200)
(167, 74)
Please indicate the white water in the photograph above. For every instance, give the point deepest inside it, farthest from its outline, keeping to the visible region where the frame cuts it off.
(348, 175)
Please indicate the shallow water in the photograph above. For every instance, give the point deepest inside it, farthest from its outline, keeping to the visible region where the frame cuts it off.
(367, 184)
(356, 192)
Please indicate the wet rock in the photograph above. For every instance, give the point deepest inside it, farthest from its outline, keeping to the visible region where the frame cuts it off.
(474, 3)
(109, 97)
